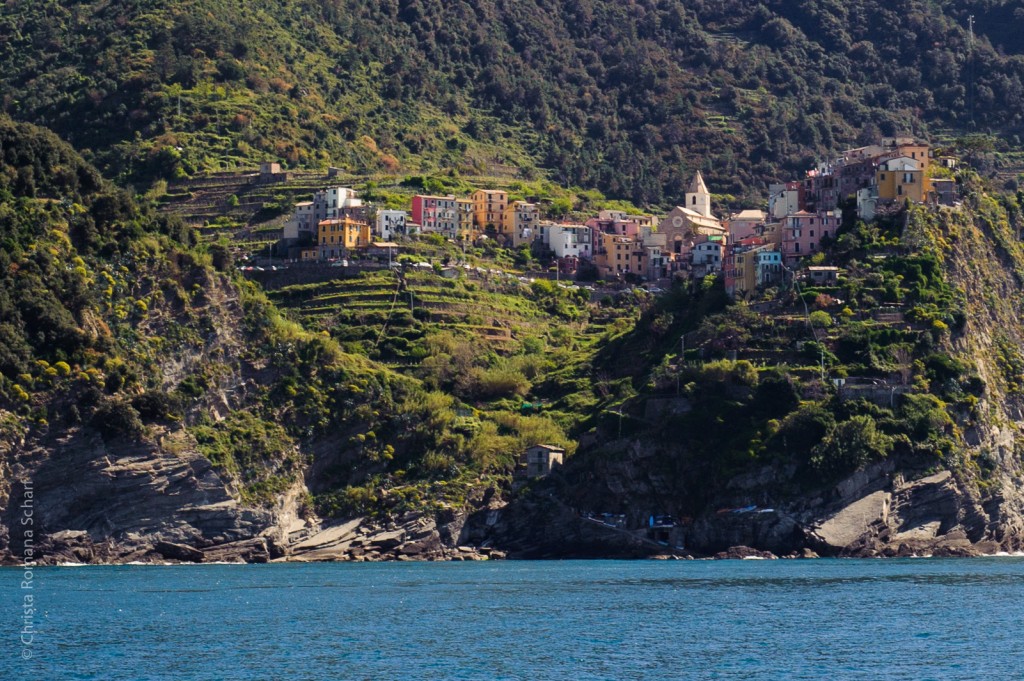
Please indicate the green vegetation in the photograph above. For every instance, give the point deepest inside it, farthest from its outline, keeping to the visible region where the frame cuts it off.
(630, 99)
(391, 391)
(118, 312)
(874, 367)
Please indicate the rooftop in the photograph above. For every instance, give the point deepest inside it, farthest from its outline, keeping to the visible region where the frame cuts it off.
(697, 186)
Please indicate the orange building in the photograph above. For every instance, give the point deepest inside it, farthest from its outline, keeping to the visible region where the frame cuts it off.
(902, 178)
(489, 208)
(337, 236)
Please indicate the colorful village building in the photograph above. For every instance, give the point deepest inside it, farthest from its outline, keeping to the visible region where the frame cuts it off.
(802, 233)
(436, 214)
(391, 224)
(465, 220)
(519, 223)
(338, 236)
(684, 224)
(744, 224)
(328, 203)
(621, 255)
(489, 209)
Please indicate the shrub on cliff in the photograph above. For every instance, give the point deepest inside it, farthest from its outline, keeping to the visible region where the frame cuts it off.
(850, 446)
(115, 418)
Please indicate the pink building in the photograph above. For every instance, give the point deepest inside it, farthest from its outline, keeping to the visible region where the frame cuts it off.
(802, 233)
(436, 214)
(610, 225)
(744, 224)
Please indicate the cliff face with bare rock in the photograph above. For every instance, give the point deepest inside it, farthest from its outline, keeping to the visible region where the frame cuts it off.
(958, 496)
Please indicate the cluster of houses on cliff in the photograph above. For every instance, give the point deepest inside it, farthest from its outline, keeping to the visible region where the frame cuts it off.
(749, 249)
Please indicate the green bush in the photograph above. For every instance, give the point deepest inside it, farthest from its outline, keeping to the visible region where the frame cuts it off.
(115, 418)
(850, 446)
(820, 319)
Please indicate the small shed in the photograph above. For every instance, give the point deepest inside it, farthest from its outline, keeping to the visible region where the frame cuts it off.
(382, 249)
(823, 275)
(270, 172)
(540, 460)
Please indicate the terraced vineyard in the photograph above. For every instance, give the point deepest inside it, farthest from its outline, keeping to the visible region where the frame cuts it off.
(384, 314)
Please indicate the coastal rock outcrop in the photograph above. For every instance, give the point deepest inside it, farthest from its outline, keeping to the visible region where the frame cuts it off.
(413, 536)
(97, 501)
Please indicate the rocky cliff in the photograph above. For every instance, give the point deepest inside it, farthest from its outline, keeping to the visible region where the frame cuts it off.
(960, 496)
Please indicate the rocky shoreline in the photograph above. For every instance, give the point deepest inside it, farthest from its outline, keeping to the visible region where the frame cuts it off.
(147, 506)
(166, 553)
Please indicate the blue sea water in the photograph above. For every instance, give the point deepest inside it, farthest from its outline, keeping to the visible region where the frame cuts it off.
(569, 620)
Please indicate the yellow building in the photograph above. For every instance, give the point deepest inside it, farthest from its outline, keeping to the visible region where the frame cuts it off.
(337, 236)
(622, 254)
(902, 178)
(743, 275)
(910, 148)
(489, 208)
(464, 209)
(772, 233)
(520, 221)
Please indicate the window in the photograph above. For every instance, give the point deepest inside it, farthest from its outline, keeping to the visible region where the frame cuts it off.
(812, 232)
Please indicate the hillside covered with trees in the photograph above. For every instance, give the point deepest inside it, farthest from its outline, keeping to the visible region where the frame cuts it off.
(139, 368)
(630, 98)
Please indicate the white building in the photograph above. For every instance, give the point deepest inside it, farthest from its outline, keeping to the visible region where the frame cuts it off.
(569, 240)
(783, 200)
(707, 256)
(302, 222)
(327, 204)
(336, 202)
(391, 223)
(867, 203)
